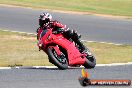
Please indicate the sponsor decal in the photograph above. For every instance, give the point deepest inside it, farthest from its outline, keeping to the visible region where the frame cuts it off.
(84, 80)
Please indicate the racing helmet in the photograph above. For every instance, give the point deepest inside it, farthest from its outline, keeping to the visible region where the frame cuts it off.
(44, 18)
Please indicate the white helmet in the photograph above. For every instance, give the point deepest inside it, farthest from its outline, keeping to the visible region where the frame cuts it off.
(45, 16)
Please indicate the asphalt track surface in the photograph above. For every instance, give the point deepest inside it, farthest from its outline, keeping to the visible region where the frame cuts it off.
(92, 28)
(55, 78)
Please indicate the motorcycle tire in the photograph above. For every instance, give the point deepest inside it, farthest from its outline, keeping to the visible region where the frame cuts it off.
(90, 61)
(55, 59)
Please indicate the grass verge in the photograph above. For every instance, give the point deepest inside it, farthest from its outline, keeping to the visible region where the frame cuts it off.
(19, 49)
(113, 7)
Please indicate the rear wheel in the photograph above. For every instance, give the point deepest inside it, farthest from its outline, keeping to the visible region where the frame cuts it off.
(59, 60)
(90, 61)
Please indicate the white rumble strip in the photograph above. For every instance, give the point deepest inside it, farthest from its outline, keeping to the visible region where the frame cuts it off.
(113, 64)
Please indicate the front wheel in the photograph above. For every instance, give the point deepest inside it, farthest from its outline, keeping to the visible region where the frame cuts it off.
(58, 60)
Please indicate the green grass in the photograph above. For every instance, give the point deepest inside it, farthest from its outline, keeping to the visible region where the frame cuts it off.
(109, 53)
(21, 50)
(113, 7)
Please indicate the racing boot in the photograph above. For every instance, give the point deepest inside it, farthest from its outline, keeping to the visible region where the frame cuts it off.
(75, 35)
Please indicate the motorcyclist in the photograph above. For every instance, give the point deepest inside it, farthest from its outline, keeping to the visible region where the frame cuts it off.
(45, 21)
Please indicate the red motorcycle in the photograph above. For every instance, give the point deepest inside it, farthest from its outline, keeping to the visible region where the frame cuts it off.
(63, 52)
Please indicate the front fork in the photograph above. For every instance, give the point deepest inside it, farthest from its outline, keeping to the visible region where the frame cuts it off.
(57, 50)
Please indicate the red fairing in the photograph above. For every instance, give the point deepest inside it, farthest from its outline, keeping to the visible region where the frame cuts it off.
(39, 30)
(74, 56)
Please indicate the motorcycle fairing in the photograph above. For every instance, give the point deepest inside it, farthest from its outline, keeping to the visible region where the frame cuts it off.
(74, 56)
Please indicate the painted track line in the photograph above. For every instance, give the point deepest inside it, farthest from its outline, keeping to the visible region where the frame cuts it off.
(81, 40)
(115, 64)
(19, 32)
(118, 44)
(98, 65)
(5, 68)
